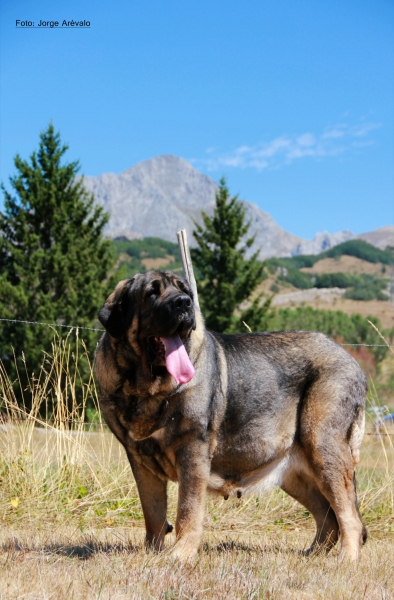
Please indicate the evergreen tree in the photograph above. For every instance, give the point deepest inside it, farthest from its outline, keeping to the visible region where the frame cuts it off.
(53, 258)
(225, 277)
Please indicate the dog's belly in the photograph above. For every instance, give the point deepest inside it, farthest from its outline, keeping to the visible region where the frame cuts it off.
(252, 447)
(256, 482)
(251, 464)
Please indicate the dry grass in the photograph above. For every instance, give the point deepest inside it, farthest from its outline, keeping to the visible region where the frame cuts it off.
(347, 264)
(329, 299)
(158, 263)
(72, 525)
(112, 564)
(381, 309)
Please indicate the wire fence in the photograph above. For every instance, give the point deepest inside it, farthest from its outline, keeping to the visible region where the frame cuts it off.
(92, 424)
(52, 423)
(102, 423)
(52, 324)
(102, 331)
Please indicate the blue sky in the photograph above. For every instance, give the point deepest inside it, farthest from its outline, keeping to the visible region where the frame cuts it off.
(292, 100)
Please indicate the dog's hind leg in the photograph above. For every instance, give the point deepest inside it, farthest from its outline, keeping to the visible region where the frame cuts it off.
(331, 426)
(302, 487)
(334, 473)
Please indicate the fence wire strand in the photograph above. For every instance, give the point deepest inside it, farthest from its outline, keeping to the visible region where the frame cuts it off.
(102, 330)
(54, 422)
(52, 324)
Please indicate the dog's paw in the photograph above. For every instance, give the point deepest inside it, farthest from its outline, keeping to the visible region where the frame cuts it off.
(183, 551)
(349, 554)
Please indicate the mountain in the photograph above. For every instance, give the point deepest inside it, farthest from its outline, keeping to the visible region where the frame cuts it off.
(271, 239)
(381, 238)
(160, 196)
(322, 241)
(156, 197)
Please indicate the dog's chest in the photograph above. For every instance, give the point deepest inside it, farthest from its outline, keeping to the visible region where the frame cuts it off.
(155, 454)
(141, 418)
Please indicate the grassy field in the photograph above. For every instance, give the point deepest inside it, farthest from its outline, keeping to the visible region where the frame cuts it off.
(72, 525)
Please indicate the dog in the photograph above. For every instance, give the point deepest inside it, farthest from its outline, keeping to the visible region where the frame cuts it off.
(228, 414)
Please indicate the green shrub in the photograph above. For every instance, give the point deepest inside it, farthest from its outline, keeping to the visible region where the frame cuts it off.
(340, 280)
(147, 247)
(369, 289)
(300, 280)
(360, 249)
(295, 262)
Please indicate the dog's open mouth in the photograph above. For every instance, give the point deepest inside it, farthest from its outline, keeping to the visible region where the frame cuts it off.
(171, 352)
(156, 351)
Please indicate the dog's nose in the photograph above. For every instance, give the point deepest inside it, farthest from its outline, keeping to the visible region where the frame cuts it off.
(182, 303)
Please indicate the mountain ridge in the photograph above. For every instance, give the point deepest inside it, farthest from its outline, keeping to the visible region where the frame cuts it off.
(159, 196)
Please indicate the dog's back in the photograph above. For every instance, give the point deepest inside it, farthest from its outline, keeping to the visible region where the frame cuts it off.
(280, 372)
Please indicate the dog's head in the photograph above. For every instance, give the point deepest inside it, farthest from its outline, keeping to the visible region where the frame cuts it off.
(153, 314)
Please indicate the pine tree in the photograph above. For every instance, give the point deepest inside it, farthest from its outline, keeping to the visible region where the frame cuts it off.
(225, 277)
(53, 258)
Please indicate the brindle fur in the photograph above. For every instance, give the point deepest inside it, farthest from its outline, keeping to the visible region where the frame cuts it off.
(284, 408)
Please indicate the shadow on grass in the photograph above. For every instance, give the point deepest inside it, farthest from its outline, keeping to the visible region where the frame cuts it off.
(82, 551)
(88, 549)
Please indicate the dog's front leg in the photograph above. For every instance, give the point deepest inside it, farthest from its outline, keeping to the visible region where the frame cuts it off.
(193, 468)
(153, 495)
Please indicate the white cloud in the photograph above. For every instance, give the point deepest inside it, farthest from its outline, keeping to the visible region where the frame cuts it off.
(364, 128)
(306, 139)
(285, 149)
(333, 133)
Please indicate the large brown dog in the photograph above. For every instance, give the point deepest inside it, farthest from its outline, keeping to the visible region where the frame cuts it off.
(233, 414)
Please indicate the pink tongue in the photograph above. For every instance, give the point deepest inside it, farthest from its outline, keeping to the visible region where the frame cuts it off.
(177, 360)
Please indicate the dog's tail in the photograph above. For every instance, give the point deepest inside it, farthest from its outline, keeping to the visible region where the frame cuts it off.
(357, 429)
(356, 437)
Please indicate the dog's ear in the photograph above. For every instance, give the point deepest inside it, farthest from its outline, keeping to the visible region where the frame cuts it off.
(117, 309)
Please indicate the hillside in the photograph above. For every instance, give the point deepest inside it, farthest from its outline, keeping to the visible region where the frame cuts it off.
(329, 283)
(354, 277)
(136, 256)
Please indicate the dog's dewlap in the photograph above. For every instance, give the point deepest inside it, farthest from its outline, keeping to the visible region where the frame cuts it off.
(177, 360)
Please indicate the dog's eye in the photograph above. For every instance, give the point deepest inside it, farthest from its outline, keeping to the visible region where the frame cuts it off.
(186, 290)
(151, 294)
(153, 291)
